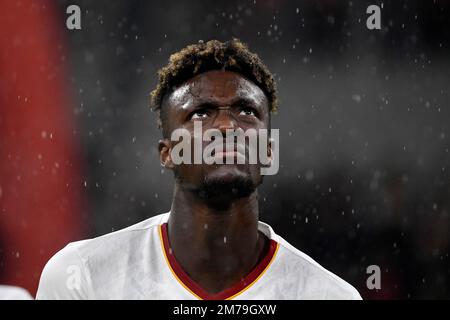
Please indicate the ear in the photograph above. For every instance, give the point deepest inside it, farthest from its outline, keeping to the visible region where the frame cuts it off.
(164, 149)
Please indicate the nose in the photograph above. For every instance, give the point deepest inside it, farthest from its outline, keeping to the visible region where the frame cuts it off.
(225, 120)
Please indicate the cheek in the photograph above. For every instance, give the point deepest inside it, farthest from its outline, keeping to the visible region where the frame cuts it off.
(253, 124)
(189, 172)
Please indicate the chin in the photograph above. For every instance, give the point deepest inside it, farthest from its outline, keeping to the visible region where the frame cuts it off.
(222, 185)
(226, 173)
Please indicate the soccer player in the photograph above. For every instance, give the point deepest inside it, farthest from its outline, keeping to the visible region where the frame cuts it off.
(211, 244)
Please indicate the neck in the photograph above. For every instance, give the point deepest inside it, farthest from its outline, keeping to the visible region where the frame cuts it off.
(216, 247)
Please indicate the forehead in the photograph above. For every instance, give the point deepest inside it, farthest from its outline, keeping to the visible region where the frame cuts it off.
(216, 87)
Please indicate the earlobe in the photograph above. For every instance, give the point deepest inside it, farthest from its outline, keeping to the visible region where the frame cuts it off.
(164, 154)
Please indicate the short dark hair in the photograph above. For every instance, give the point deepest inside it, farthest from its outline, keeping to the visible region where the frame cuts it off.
(198, 58)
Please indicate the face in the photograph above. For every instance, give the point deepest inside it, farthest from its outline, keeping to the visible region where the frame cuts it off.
(219, 100)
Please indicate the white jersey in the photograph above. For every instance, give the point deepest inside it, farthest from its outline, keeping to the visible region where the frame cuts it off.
(137, 263)
(14, 293)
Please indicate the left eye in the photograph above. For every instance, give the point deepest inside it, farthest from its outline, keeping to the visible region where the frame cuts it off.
(247, 112)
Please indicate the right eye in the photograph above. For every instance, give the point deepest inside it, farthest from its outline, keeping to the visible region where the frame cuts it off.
(199, 114)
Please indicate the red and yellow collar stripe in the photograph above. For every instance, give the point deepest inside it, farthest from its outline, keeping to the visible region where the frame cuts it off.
(227, 294)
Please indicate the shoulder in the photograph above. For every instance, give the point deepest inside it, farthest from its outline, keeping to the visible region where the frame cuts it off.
(68, 274)
(64, 276)
(313, 280)
(319, 281)
(129, 233)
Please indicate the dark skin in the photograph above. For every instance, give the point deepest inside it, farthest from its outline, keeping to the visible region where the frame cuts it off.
(215, 238)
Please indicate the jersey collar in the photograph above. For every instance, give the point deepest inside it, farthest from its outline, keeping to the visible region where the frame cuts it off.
(190, 285)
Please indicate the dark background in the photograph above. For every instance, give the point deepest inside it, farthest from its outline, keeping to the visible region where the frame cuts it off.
(363, 119)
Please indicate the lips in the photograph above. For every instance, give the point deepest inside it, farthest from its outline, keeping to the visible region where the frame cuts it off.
(238, 152)
(227, 154)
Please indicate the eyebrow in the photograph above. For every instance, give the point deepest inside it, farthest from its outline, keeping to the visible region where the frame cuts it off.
(209, 103)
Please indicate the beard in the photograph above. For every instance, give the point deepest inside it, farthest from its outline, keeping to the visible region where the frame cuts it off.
(237, 187)
(219, 192)
(219, 189)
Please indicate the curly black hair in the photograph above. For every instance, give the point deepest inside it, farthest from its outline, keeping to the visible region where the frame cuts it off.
(198, 58)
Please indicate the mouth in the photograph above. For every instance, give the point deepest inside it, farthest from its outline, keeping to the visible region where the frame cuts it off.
(238, 154)
(227, 154)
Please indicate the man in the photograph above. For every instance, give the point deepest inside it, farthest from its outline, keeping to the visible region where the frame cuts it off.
(210, 245)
